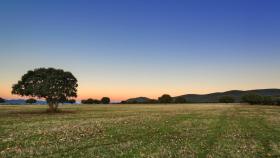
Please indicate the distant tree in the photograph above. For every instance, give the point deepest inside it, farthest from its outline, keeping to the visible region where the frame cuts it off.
(152, 101)
(252, 99)
(55, 85)
(90, 101)
(165, 98)
(96, 101)
(83, 101)
(226, 99)
(180, 100)
(2, 100)
(30, 101)
(277, 101)
(105, 100)
(71, 101)
(123, 102)
(268, 100)
(134, 102)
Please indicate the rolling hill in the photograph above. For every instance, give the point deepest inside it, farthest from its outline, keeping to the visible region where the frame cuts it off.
(236, 94)
(214, 97)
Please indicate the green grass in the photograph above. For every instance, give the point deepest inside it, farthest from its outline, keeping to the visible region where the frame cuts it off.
(198, 130)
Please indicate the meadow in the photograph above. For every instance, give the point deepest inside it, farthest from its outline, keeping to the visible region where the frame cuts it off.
(171, 130)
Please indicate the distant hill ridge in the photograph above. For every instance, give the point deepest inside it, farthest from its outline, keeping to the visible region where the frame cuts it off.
(214, 97)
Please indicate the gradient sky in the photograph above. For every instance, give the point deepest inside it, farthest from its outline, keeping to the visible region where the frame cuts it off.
(130, 48)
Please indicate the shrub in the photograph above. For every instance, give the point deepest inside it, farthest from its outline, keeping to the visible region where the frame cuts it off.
(2, 100)
(226, 99)
(90, 101)
(123, 102)
(105, 100)
(252, 99)
(152, 101)
(30, 101)
(277, 101)
(267, 100)
(180, 100)
(165, 98)
(71, 101)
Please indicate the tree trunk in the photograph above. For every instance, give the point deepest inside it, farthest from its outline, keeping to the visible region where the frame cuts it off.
(56, 106)
(51, 107)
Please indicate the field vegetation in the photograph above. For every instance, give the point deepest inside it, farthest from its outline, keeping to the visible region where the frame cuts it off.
(167, 130)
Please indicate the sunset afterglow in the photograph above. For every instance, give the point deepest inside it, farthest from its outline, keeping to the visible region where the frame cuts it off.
(126, 49)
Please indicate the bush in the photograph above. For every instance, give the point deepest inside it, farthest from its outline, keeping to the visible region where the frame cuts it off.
(267, 100)
(252, 99)
(180, 100)
(152, 101)
(226, 99)
(105, 100)
(277, 101)
(165, 99)
(30, 101)
(90, 101)
(123, 102)
(71, 101)
(2, 100)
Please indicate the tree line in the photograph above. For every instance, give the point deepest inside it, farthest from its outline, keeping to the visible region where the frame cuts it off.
(252, 99)
(104, 100)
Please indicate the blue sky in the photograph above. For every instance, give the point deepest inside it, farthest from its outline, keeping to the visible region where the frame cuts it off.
(132, 48)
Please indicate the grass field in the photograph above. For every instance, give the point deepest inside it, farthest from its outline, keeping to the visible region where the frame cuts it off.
(198, 130)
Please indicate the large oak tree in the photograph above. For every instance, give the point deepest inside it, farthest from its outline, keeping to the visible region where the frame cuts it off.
(55, 85)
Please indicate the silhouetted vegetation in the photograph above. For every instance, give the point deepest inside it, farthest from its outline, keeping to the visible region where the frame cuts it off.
(180, 100)
(166, 98)
(152, 101)
(30, 101)
(236, 94)
(258, 99)
(277, 101)
(2, 100)
(71, 101)
(268, 100)
(105, 100)
(91, 101)
(226, 99)
(252, 99)
(55, 85)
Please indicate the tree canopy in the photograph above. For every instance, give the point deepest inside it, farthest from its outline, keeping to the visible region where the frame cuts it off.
(226, 99)
(105, 100)
(90, 101)
(165, 98)
(55, 85)
(252, 99)
(180, 100)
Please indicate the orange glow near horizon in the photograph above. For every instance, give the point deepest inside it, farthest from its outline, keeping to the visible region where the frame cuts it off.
(123, 89)
(118, 96)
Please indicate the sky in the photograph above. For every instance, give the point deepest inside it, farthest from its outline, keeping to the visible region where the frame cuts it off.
(131, 48)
